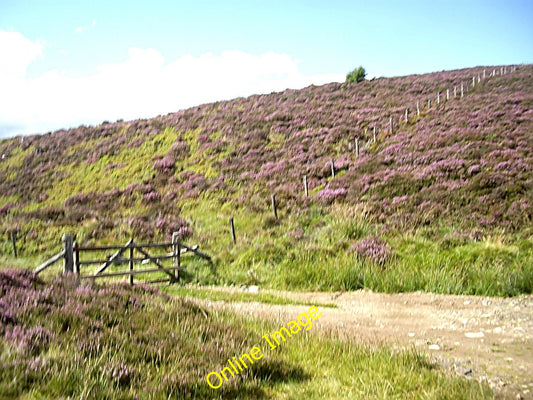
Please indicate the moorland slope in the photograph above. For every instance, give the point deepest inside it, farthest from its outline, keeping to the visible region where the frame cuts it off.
(443, 201)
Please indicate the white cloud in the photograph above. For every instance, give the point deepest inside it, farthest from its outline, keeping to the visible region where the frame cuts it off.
(17, 52)
(142, 86)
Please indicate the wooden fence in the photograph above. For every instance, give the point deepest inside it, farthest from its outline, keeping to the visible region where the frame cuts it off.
(123, 254)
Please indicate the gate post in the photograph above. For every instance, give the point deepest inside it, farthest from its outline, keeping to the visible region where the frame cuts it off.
(68, 247)
(176, 249)
(131, 262)
(76, 251)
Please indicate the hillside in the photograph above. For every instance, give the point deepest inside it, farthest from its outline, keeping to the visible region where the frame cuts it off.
(443, 202)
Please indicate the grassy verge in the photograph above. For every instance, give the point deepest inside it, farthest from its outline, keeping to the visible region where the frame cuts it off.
(222, 295)
(135, 342)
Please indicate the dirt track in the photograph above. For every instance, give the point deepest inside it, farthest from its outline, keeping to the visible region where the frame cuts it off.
(482, 338)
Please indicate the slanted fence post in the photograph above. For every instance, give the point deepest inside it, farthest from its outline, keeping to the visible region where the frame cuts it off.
(232, 226)
(131, 262)
(418, 108)
(68, 247)
(274, 209)
(374, 132)
(176, 250)
(13, 237)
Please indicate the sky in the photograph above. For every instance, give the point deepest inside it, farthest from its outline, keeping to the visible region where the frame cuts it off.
(65, 63)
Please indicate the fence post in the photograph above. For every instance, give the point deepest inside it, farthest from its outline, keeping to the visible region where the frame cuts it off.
(332, 168)
(356, 147)
(131, 262)
(406, 114)
(454, 92)
(447, 94)
(462, 90)
(176, 249)
(473, 82)
(391, 125)
(68, 246)
(273, 198)
(418, 108)
(14, 243)
(306, 188)
(429, 104)
(484, 73)
(438, 98)
(374, 133)
(232, 227)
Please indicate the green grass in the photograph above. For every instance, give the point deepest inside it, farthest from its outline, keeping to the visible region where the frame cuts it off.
(222, 295)
(342, 369)
(309, 250)
(268, 254)
(126, 342)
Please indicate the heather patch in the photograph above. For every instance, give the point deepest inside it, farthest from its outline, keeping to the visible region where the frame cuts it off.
(144, 334)
(373, 249)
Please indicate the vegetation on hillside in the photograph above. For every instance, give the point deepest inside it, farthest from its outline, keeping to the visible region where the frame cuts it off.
(356, 76)
(441, 203)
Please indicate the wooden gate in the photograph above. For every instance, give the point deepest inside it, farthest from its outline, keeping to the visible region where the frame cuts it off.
(75, 258)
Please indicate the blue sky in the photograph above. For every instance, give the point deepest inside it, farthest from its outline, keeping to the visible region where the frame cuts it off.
(66, 63)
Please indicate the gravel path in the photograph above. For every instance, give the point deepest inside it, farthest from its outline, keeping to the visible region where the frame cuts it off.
(484, 338)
